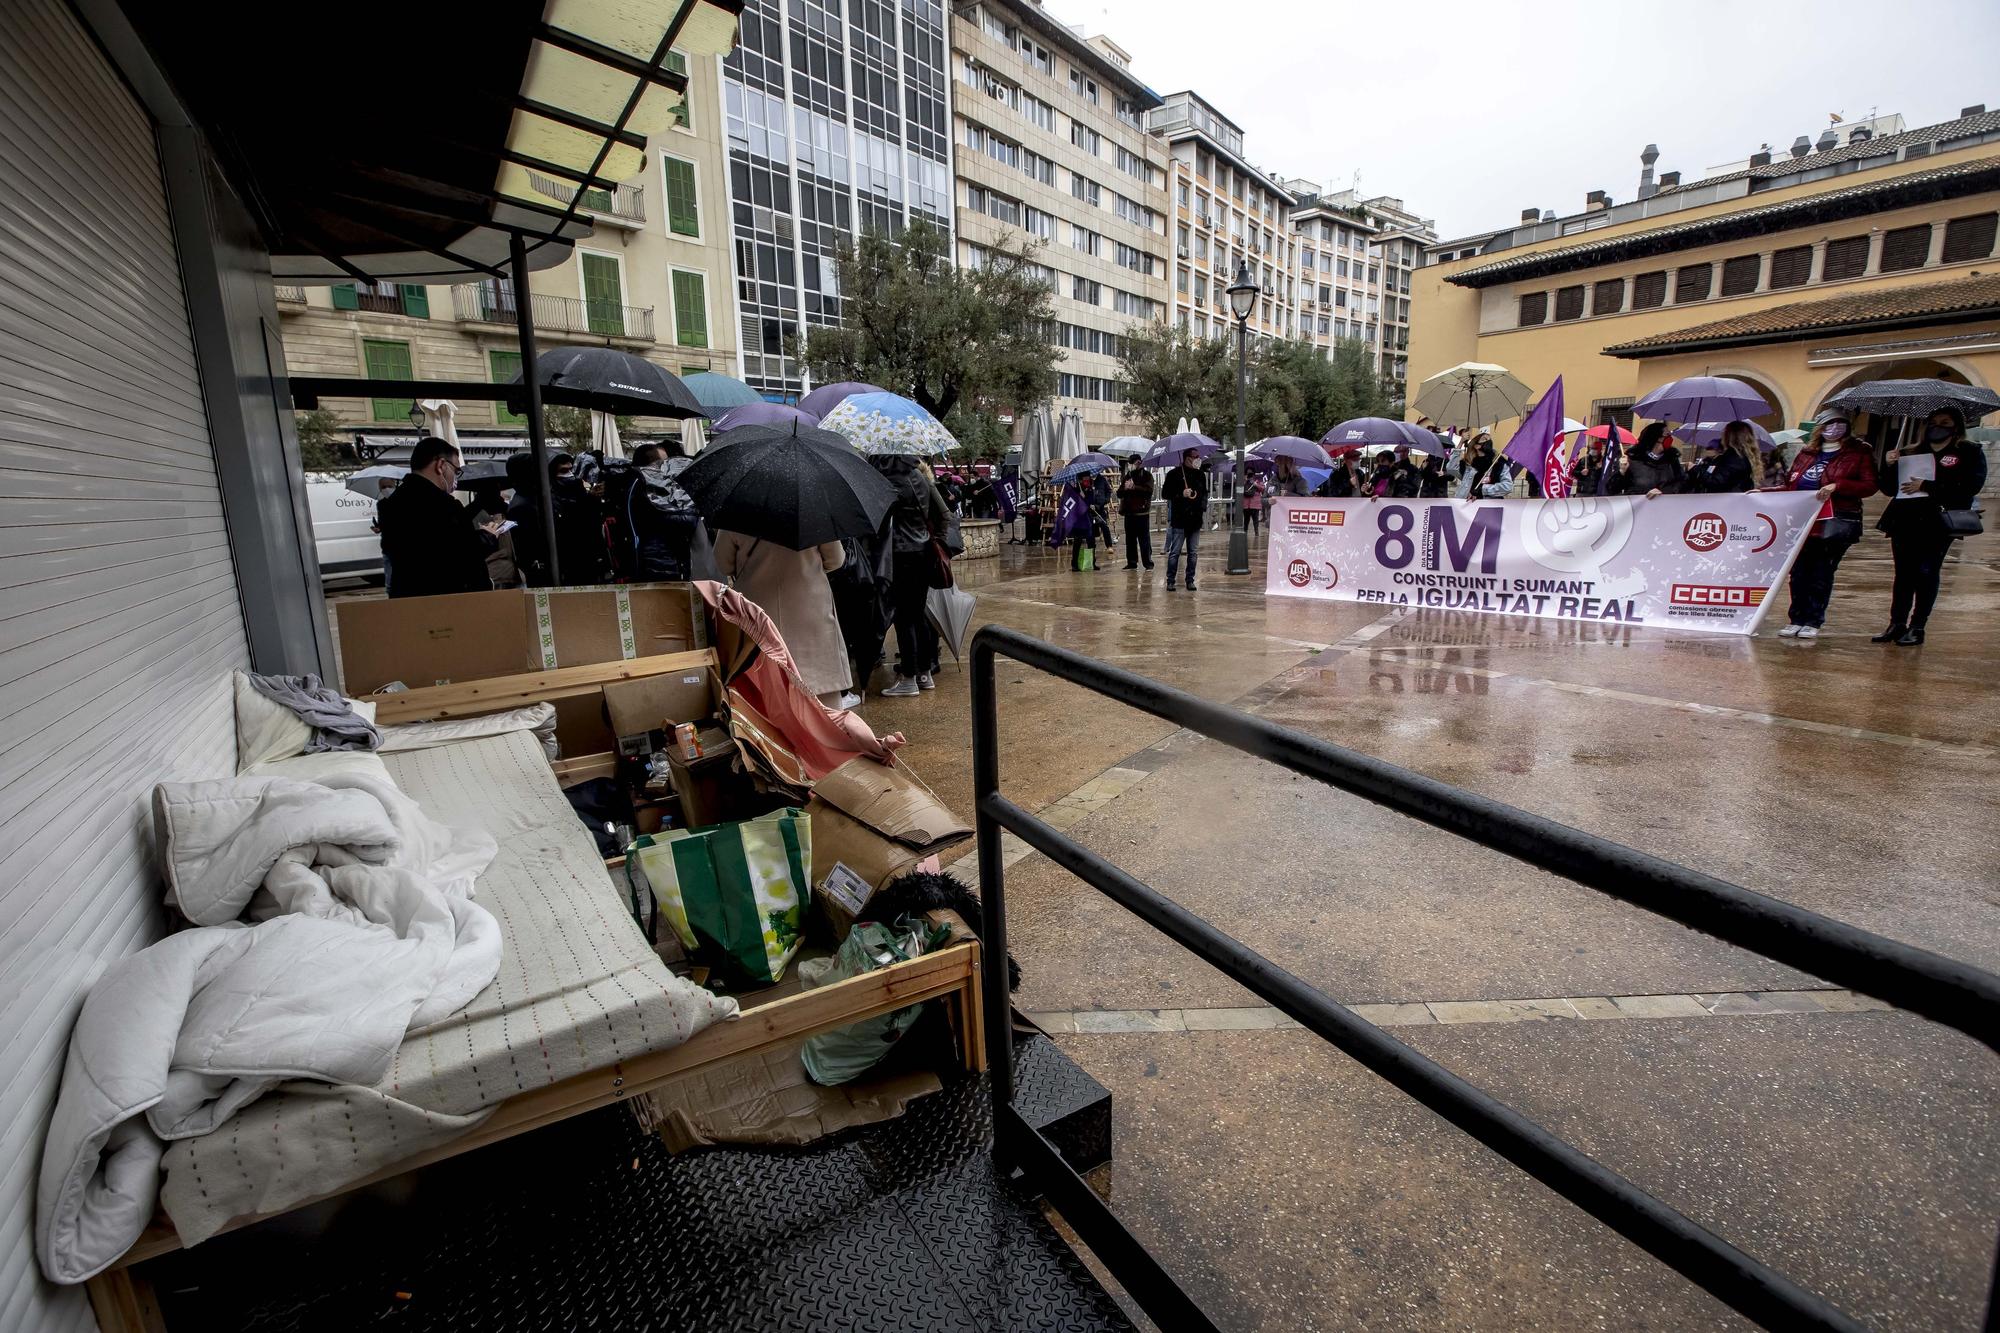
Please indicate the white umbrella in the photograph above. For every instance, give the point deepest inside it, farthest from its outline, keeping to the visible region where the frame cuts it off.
(440, 418)
(1571, 426)
(1126, 446)
(369, 481)
(1472, 393)
(694, 437)
(604, 435)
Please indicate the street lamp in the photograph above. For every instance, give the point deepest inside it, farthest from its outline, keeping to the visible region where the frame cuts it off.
(417, 419)
(1243, 295)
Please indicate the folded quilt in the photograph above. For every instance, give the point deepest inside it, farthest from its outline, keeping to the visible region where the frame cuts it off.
(330, 919)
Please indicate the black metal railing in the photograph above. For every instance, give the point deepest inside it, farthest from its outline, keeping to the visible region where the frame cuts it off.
(493, 303)
(1952, 993)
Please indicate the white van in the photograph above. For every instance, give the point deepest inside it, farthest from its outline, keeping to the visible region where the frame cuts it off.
(343, 524)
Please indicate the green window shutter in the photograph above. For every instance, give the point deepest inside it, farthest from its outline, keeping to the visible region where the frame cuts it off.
(603, 304)
(416, 300)
(690, 309)
(505, 366)
(345, 297)
(682, 216)
(389, 361)
(678, 63)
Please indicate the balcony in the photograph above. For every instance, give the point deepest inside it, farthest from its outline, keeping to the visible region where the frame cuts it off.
(624, 206)
(490, 303)
(287, 295)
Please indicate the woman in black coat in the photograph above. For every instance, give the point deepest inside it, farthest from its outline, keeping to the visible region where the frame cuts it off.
(1915, 519)
(1728, 467)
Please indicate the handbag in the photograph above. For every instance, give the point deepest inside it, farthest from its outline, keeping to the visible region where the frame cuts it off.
(1839, 528)
(954, 543)
(734, 894)
(1962, 522)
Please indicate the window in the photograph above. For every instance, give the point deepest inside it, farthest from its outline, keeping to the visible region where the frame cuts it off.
(1534, 308)
(504, 367)
(603, 293)
(1845, 258)
(1130, 163)
(387, 298)
(690, 308)
(1739, 275)
(1135, 259)
(1608, 297)
(1791, 266)
(1341, 268)
(1569, 303)
(1183, 195)
(388, 361)
(1085, 138)
(1038, 55)
(1082, 87)
(1086, 291)
(1905, 248)
(1132, 211)
(1969, 238)
(1038, 167)
(994, 205)
(684, 113)
(1692, 283)
(1038, 223)
(1131, 303)
(683, 213)
(995, 147)
(1084, 188)
(1649, 290)
(1035, 109)
(1086, 240)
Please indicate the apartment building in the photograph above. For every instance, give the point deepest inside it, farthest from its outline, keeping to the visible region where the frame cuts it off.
(653, 278)
(1355, 258)
(1049, 135)
(1798, 273)
(1225, 212)
(836, 122)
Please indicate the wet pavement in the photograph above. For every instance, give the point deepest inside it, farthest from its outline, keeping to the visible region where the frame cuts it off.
(1849, 1144)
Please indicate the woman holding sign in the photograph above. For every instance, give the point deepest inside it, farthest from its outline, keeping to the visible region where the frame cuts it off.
(1841, 468)
(1931, 484)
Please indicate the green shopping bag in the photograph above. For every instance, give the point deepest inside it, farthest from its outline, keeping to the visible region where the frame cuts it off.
(735, 894)
(845, 1054)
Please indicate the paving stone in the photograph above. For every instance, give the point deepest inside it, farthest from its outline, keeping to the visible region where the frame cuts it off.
(1130, 1020)
(1660, 1006)
(1500, 1011)
(1394, 1015)
(1850, 1002)
(1766, 1002)
(1258, 1018)
(1596, 1006)
(1054, 1022)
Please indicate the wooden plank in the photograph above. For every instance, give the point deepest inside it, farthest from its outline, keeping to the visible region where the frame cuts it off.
(472, 697)
(972, 1019)
(948, 971)
(123, 1302)
(584, 767)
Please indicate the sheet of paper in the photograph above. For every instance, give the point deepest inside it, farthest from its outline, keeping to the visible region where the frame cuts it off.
(509, 525)
(1921, 466)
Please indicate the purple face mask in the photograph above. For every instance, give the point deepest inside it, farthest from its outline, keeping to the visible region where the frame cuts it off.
(1834, 430)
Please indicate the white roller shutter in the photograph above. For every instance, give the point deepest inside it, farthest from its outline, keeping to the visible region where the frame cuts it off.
(119, 618)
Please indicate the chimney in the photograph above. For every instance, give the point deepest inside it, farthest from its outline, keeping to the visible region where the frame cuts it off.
(1827, 139)
(1762, 159)
(1531, 216)
(1595, 202)
(1669, 180)
(1979, 110)
(1646, 161)
(1860, 134)
(1801, 146)
(1548, 215)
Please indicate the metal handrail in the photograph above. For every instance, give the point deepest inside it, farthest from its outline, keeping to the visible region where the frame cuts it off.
(1954, 994)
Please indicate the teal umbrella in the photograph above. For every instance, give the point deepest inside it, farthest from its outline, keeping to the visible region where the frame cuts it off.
(719, 393)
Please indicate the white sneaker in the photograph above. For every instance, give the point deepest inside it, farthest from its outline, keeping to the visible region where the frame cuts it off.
(1809, 631)
(849, 700)
(904, 688)
(1790, 631)
(924, 682)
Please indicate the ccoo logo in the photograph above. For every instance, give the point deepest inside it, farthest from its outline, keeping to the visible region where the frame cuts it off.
(1705, 532)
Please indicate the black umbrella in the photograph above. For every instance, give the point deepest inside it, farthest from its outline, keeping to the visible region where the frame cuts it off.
(605, 379)
(1916, 398)
(795, 488)
(480, 476)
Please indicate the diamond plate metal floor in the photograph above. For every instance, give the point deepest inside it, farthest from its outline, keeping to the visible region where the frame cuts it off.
(593, 1225)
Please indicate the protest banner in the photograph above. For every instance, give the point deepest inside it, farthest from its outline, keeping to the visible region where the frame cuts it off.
(1700, 562)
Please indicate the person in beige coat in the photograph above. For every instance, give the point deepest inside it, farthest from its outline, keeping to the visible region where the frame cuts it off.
(791, 586)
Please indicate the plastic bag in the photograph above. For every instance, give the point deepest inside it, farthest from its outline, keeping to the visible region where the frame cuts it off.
(735, 894)
(845, 1054)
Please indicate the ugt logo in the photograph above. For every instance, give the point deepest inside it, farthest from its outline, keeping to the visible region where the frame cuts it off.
(1445, 544)
(1705, 532)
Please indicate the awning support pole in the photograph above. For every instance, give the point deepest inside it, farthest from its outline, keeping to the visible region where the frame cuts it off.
(538, 437)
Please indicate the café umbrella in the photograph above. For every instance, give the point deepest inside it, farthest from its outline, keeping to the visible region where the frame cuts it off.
(794, 488)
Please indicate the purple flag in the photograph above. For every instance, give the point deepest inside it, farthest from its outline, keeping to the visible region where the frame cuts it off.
(1534, 443)
(1072, 517)
(1004, 496)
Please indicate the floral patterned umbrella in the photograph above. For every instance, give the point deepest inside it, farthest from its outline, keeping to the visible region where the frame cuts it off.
(888, 423)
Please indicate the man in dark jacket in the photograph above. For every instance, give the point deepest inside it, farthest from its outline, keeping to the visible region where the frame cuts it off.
(1186, 489)
(1135, 505)
(431, 543)
(1650, 467)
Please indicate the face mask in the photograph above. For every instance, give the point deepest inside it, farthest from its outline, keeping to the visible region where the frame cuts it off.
(1835, 431)
(1938, 434)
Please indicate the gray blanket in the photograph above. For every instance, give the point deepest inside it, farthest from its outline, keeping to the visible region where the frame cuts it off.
(335, 726)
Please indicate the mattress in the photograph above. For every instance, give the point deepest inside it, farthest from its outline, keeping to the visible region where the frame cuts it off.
(579, 988)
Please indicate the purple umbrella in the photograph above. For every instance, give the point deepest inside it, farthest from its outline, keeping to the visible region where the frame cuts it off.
(1423, 440)
(829, 396)
(1169, 450)
(1295, 447)
(1701, 434)
(1702, 398)
(1250, 464)
(1367, 433)
(780, 415)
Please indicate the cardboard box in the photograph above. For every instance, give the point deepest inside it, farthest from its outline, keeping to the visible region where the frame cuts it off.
(657, 702)
(431, 640)
(580, 626)
(879, 821)
(712, 789)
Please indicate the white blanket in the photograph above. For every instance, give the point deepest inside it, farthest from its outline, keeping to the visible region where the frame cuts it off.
(330, 918)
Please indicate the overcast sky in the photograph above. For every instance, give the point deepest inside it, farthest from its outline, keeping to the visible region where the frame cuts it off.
(1471, 112)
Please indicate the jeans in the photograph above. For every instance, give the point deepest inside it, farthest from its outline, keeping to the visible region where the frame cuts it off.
(1919, 556)
(916, 641)
(1812, 578)
(1138, 541)
(1178, 538)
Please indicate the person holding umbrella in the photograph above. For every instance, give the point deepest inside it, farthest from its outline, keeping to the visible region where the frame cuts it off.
(1588, 470)
(1186, 489)
(1841, 468)
(1932, 485)
(1651, 467)
(916, 516)
(1135, 506)
(792, 588)
(1476, 465)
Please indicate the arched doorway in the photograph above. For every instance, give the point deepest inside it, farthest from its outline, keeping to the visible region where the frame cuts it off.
(1776, 417)
(1887, 432)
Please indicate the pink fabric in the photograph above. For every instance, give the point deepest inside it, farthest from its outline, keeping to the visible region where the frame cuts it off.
(822, 739)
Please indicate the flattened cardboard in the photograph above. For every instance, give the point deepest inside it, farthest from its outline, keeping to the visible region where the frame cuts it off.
(585, 628)
(430, 640)
(764, 1097)
(891, 800)
(639, 706)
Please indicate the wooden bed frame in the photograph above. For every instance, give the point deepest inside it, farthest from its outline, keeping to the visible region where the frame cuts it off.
(123, 1299)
